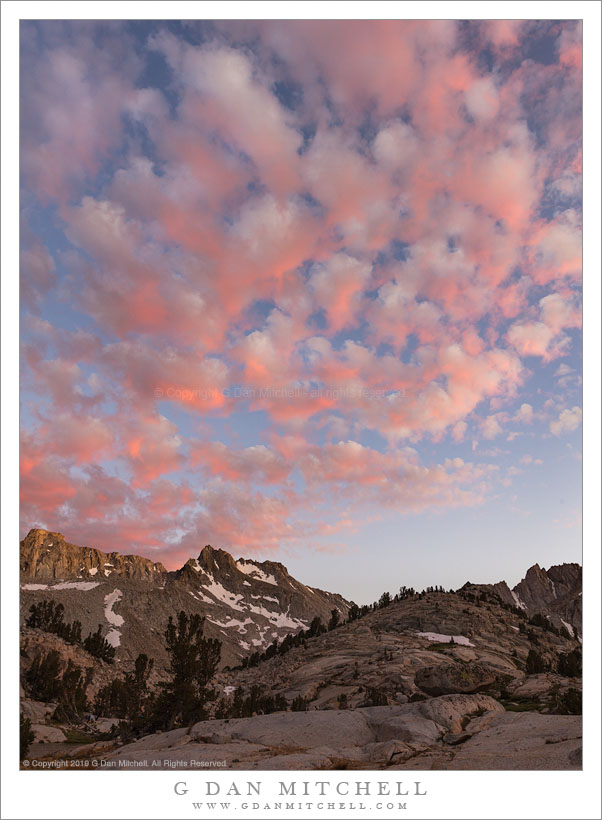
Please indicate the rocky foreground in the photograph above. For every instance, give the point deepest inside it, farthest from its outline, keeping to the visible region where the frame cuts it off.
(449, 732)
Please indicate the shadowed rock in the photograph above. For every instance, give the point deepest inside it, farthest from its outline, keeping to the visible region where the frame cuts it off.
(447, 678)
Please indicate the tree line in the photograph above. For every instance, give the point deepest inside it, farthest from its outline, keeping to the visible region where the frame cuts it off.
(317, 627)
(49, 616)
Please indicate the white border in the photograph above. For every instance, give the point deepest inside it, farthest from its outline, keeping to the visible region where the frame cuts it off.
(451, 794)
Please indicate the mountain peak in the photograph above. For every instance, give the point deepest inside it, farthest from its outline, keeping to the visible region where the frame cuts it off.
(48, 555)
(213, 559)
(247, 604)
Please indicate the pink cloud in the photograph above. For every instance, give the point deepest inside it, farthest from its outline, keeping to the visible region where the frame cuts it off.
(256, 463)
(153, 448)
(368, 256)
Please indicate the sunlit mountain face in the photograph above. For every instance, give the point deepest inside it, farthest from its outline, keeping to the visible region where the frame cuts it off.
(307, 291)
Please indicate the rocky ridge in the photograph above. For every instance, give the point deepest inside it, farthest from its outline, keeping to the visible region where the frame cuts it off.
(47, 556)
(247, 604)
(441, 643)
(555, 592)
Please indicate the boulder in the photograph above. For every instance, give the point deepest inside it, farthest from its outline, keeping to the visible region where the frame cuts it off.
(452, 678)
(386, 750)
(455, 739)
(106, 724)
(36, 711)
(535, 687)
(166, 740)
(300, 729)
(48, 734)
(408, 728)
(523, 740)
(451, 712)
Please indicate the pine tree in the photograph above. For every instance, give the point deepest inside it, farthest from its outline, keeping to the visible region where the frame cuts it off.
(73, 701)
(535, 663)
(26, 736)
(334, 619)
(99, 647)
(193, 662)
(316, 627)
(43, 678)
(570, 664)
(385, 600)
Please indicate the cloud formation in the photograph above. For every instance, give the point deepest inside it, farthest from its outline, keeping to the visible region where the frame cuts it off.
(268, 266)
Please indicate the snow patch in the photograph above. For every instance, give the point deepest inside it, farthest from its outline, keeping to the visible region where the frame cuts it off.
(568, 628)
(93, 570)
(435, 636)
(265, 598)
(280, 619)
(84, 586)
(240, 625)
(34, 586)
(221, 594)
(517, 600)
(237, 603)
(256, 573)
(261, 640)
(205, 599)
(228, 690)
(110, 600)
(113, 636)
(553, 588)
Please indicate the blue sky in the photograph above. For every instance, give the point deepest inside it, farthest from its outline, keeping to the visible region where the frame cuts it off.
(372, 232)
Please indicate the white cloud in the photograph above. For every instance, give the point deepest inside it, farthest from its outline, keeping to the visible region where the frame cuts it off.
(567, 421)
(524, 414)
(491, 427)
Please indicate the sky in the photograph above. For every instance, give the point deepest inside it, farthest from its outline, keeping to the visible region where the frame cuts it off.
(308, 291)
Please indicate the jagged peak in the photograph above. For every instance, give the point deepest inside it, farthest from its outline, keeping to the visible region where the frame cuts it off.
(554, 569)
(37, 534)
(535, 568)
(49, 554)
(212, 558)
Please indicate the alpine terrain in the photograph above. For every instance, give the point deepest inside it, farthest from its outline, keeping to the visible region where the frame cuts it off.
(261, 671)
